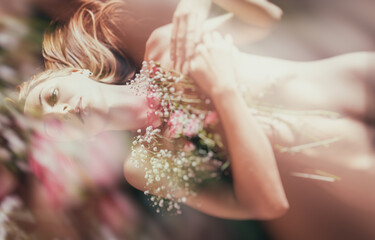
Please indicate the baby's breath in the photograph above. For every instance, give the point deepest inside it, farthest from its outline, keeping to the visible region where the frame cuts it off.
(180, 152)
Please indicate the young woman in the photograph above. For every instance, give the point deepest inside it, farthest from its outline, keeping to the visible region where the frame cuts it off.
(65, 92)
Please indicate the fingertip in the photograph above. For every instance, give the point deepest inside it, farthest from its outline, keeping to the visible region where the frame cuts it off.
(199, 47)
(207, 37)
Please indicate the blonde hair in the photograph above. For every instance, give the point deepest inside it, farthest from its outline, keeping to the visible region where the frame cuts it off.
(91, 40)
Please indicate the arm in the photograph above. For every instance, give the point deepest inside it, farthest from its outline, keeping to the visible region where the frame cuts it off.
(260, 13)
(189, 17)
(257, 186)
(257, 192)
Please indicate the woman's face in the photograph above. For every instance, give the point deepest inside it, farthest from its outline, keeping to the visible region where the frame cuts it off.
(72, 106)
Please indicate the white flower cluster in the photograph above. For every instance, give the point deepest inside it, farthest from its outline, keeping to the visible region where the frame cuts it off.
(179, 149)
(173, 174)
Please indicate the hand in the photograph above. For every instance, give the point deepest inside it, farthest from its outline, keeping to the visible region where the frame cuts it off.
(214, 64)
(187, 29)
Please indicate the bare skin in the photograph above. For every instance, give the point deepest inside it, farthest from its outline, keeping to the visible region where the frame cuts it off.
(244, 201)
(262, 195)
(307, 86)
(293, 80)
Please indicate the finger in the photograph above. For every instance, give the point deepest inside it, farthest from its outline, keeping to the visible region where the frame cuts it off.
(174, 41)
(207, 38)
(200, 28)
(190, 36)
(174, 38)
(190, 42)
(180, 47)
(216, 37)
(200, 50)
(200, 53)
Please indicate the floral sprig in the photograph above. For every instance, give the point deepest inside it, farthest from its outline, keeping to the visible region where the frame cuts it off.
(180, 149)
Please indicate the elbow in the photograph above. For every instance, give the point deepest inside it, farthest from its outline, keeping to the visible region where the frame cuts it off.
(269, 211)
(276, 211)
(268, 15)
(273, 211)
(133, 175)
(274, 12)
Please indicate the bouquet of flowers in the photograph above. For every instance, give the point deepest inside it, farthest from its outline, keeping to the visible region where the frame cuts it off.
(181, 148)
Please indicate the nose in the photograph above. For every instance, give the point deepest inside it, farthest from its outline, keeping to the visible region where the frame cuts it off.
(60, 111)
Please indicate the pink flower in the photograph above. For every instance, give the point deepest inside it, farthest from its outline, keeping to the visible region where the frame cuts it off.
(50, 180)
(192, 128)
(156, 69)
(153, 119)
(188, 147)
(117, 211)
(67, 169)
(153, 100)
(211, 118)
(175, 124)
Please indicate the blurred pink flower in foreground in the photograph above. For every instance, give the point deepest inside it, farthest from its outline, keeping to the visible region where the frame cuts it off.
(54, 169)
(118, 212)
(68, 169)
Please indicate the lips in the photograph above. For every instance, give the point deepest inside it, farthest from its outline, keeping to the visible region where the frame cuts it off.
(78, 110)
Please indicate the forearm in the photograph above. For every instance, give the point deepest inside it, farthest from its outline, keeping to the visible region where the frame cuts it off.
(257, 184)
(257, 12)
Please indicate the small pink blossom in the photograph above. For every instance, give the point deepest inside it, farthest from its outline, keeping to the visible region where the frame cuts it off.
(192, 128)
(153, 100)
(175, 126)
(211, 118)
(153, 119)
(156, 69)
(188, 147)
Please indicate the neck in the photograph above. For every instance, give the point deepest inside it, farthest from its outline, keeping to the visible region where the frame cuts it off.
(127, 110)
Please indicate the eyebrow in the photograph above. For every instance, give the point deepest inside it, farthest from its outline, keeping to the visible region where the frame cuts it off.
(40, 99)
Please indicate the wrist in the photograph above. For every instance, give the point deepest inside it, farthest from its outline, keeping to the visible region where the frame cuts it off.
(224, 97)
